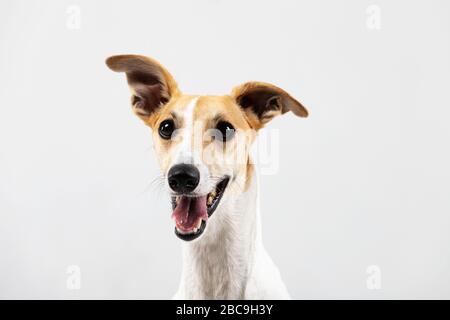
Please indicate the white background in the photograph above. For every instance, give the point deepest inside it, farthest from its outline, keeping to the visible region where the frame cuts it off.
(363, 181)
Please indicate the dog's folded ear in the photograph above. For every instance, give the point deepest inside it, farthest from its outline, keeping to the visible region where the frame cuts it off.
(263, 101)
(151, 84)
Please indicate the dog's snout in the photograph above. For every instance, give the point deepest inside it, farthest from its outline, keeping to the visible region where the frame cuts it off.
(183, 178)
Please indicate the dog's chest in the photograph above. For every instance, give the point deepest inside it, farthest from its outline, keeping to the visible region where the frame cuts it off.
(213, 273)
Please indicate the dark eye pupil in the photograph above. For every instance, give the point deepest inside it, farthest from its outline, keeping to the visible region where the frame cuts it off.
(226, 129)
(166, 129)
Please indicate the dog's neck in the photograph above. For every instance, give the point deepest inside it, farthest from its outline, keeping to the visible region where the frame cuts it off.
(217, 266)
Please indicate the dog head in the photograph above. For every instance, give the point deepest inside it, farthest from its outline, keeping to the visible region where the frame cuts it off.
(202, 142)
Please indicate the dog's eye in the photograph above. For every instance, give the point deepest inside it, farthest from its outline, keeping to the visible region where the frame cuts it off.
(226, 129)
(166, 129)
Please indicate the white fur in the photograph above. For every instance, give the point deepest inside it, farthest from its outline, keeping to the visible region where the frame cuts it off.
(186, 152)
(229, 261)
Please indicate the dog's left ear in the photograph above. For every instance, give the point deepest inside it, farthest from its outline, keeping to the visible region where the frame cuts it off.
(263, 101)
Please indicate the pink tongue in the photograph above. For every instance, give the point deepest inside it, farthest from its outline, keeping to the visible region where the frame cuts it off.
(188, 211)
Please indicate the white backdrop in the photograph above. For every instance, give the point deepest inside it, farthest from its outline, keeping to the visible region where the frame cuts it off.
(364, 181)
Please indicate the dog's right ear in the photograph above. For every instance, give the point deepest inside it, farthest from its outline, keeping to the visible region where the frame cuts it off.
(151, 84)
(262, 101)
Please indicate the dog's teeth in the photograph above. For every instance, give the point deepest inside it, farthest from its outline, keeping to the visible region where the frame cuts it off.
(185, 232)
(211, 197)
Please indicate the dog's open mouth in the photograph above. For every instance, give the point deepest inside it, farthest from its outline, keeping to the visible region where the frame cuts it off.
(191, 213)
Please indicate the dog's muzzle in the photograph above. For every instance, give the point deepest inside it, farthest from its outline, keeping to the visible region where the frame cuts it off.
(190, 211)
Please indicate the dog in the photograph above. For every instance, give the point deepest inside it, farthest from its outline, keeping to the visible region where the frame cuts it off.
(212, 179)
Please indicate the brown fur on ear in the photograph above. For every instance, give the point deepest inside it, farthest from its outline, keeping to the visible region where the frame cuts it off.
(265, 101)
(151, 84)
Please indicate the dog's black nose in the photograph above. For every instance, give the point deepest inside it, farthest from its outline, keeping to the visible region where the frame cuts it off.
(183, 178)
